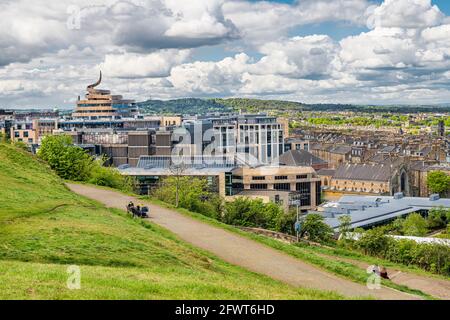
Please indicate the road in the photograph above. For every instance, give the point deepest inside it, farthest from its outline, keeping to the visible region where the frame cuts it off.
(241, 251)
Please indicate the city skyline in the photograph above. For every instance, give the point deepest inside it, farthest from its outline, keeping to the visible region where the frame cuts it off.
(353, 51)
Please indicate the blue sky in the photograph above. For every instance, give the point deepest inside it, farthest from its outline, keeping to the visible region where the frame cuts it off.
(314, 51)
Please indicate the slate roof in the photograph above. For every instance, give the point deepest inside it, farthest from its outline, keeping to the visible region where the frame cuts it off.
(341, 149)
(326, 172)
(369, 172)
(299, 158)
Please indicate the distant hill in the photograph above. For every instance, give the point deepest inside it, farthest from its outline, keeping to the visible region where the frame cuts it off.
(193, 106)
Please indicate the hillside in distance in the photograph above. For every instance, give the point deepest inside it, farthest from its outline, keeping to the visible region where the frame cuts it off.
(193, 106)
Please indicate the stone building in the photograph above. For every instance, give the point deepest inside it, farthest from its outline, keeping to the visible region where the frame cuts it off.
(366, 179)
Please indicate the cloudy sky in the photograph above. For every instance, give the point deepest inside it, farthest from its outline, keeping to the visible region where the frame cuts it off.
(315, 51)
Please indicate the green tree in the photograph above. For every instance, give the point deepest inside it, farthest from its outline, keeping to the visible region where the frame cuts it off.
(108, 176)
(437, 217)
(415, 225)
(316, 229)
(190, 193)
(374, 242)
(69, 162)
(438, 182)
(345, 222)
(247, 212)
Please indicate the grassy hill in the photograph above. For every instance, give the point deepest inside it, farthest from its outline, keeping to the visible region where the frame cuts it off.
(44, 228)
(279, 107)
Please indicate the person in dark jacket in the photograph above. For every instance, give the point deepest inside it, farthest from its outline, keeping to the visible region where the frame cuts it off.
(383, 273)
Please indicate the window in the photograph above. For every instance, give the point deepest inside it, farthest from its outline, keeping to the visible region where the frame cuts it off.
(282, 186)
(16, 134)
(281, 177)
(258, 178)
(318, 193)
(262, 186)
(304, 188)
(302, 176)
(25, 134)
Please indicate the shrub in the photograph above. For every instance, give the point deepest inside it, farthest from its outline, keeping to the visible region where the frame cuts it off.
(431, 257)
(69, 162)
(437, 218)
(247, 212)
(415, 225)
(108, 177)
(373, 242)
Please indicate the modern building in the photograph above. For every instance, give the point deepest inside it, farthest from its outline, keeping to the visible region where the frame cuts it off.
(101, 104)
(370, 211)
(287, 186)
(151, 170)
(300, 182)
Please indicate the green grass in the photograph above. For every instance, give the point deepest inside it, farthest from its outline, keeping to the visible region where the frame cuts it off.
(44, 228)
(311, 255)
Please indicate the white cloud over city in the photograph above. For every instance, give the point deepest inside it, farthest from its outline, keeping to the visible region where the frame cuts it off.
(399, 51)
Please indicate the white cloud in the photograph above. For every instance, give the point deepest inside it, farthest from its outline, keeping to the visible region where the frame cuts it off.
(263, 21)
(153, 65)
(146, 48)
(298, 57)
(405, 14)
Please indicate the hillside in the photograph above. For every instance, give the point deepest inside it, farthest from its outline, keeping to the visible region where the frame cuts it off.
(194, 106)
(44, 228)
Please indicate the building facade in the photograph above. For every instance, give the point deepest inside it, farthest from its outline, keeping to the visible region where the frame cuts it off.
(101, 104)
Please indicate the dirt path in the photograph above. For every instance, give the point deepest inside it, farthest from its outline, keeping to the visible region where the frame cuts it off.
(241, 251)
(438, 288)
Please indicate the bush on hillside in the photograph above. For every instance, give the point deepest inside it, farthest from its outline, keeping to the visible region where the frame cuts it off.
(73, 163)
(193, 194)
(415, 225)
(431, 257)
(316, 229)
(69, 162)
(438, 218)
(253, 213)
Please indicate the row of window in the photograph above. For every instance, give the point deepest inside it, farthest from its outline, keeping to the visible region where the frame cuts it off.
(301, 176)
(302, 187)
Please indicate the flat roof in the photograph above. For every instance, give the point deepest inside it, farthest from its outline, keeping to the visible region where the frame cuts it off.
(166, 172)
(370, 210)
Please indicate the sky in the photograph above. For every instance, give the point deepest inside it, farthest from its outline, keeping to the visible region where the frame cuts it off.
(312, 51)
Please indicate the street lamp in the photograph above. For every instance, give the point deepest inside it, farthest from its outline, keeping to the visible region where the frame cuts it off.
(297, 225)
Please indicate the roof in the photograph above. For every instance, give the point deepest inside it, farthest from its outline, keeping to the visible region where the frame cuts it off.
(196, 162)
(341, 149)
(367, 172)
(298, 158)
(371, 210)
(326, 172)
(273, 170)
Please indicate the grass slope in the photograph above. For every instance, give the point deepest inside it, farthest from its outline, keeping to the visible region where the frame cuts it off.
(44, 228)
(311, 254)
